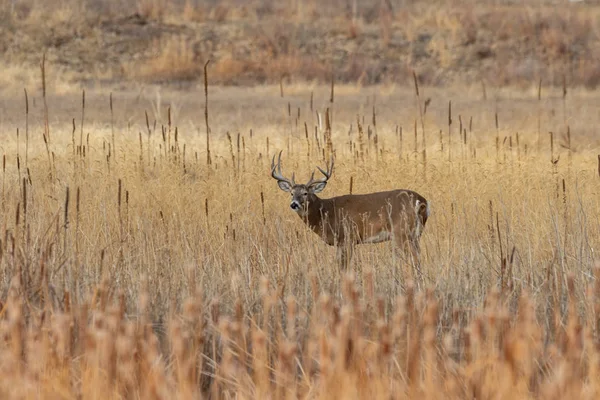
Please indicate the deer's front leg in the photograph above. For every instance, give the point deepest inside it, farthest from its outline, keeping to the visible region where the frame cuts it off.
(415, 252)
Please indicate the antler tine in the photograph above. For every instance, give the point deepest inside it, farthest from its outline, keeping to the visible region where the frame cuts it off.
(273, 167)
(327, 174)
(276, 170)
(311, 180)
(329, 169)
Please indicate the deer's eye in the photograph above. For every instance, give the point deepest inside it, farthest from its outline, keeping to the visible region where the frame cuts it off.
(305, 193)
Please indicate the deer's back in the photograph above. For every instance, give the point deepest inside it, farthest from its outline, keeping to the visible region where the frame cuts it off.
(373, 214)
(398, 200)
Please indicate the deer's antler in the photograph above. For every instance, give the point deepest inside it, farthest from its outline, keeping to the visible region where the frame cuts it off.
(326, 173)
(276, 171)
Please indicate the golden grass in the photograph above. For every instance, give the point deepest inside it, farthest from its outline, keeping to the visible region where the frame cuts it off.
(132, 269)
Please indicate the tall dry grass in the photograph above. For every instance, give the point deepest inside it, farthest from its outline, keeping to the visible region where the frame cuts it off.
(131, 267)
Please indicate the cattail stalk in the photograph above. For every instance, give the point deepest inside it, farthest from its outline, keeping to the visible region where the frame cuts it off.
(26, 129)
(420, 108)
(112, 126)
(208, 158)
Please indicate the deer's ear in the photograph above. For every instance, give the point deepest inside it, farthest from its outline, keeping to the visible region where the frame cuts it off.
(317, 187)
(285, 186)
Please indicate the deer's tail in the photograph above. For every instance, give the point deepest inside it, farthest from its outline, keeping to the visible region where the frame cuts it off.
(423, 210)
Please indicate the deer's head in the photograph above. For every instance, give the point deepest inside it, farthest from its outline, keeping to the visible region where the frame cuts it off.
(302, 193)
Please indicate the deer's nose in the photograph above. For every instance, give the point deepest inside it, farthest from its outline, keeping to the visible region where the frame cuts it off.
(295, 205)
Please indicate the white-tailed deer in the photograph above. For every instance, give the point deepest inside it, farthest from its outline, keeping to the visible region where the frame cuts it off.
(344, 221)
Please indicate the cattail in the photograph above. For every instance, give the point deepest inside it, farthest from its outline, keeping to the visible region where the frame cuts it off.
(324, 353)
(569, 148)
(208, 157)
(206, 209)
(307, 139)
(25, 201)
(262, 204)
(564, 99)
(360, 137)
(449, 128)
(66, 219)
(401, 143)
(327, 135)
(314, 284)
(46, 117)
(82, 117)
(268, 146)
(539, 115)
(231, 151)
(112, 124)
(369, 285)
(420, 109)
(238, 152)
(416, 141)
(551, 134)
(260, 363)
(497, 134)
(424, 160)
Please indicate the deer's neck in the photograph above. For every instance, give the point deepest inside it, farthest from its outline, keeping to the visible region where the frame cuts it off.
(317, 215)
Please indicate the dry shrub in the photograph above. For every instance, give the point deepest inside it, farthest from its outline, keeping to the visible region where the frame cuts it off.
(294, 66)
(153, 9)
(219, 13)
(354, 28)
(229, 70)
(386, 17)
(444, 41)
(173, 59)
(268, 70)
(589, 70)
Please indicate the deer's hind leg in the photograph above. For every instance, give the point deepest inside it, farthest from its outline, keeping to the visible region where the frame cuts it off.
(415, 251)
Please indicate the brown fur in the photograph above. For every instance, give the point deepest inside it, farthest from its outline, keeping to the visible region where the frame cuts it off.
(347, 220)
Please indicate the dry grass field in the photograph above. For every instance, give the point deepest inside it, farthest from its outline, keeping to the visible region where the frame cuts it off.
(132, 268)
(146, 252)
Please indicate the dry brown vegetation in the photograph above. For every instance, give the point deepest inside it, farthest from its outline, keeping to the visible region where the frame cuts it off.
(263, 41)
(145, 251)
(136, 263)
